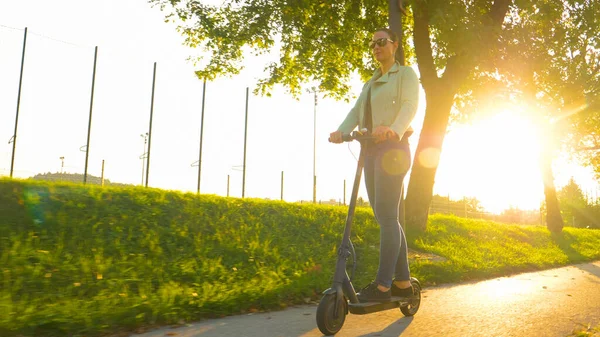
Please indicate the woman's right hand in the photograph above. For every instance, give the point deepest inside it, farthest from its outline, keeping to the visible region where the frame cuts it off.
(336, 137)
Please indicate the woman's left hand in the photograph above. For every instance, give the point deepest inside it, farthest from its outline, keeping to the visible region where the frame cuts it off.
(382, 133)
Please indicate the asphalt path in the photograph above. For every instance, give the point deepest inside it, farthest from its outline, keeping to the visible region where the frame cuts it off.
(547, 303)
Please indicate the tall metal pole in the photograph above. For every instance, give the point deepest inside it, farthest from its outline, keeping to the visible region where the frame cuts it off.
(245, 141)
(87, 147)
(344, 191)
(102, 175)
(201, 133)
(150, 128)
(228, 185)
(14, 138)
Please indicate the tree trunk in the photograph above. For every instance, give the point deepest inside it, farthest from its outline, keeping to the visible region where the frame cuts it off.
(427, 155)
(395, 9)
(554, 220)
(395, 23)
(439, 93)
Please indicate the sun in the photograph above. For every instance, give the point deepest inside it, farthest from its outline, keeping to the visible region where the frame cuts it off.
(495, 160)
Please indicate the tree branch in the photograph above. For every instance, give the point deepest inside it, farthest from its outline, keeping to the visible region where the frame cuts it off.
(423, 45)
(498, 12)
(594, 65)
(589, 148)
(459, 66)
(395, 23)
(401, 7)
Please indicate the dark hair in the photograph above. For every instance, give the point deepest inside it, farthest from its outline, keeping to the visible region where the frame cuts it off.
(393, 36)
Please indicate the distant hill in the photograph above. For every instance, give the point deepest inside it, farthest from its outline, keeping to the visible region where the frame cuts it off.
(76, 178)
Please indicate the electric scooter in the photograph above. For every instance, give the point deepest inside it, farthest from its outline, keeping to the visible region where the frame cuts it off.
(341, 298)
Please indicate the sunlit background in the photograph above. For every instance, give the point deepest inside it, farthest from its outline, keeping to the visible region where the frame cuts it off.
(493, 158)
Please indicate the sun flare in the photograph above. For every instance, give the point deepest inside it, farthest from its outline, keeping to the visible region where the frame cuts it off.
(495, 160)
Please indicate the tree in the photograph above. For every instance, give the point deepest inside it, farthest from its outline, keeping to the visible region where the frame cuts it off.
(360, 202)
(324, 42)
(451, 38)
(585, 140)
(548, 60)
(573, 204)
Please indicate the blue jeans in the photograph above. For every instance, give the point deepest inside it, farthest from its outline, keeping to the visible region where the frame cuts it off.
(386, 165)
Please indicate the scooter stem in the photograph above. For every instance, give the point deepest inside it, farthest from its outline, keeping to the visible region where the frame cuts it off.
(340, 278)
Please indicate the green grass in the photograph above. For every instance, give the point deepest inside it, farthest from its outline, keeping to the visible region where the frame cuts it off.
(478, 249)
(78, 260)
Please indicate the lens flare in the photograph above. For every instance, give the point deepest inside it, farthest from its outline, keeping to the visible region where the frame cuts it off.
(395, 162)
(429, 157)
(574, 109)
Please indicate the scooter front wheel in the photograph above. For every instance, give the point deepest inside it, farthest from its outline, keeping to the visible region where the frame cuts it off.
(327, 321)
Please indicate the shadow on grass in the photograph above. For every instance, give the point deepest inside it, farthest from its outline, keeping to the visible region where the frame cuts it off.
(565, 241)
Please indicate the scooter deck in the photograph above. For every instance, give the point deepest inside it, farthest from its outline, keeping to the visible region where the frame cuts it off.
(370, 307)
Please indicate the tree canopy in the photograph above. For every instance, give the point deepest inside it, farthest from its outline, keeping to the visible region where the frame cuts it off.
(323, 42)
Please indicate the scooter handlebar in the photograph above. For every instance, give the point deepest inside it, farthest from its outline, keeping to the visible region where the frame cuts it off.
(355, 135)
(348, 137)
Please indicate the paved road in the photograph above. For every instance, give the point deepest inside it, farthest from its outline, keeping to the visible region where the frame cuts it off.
(547, 303)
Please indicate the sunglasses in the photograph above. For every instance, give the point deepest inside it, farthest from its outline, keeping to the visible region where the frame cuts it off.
(380, 42)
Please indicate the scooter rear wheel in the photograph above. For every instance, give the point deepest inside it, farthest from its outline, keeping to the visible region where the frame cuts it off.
(327, 322)
(414, 304)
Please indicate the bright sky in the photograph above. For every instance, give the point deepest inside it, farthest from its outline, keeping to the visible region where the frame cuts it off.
(477, 160)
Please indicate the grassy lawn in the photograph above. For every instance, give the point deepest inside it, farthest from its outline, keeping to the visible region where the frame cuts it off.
(88, 261)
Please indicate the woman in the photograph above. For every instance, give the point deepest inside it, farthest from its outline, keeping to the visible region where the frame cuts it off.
(386, 107)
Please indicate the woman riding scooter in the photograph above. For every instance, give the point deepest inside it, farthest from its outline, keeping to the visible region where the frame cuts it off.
(386, 107)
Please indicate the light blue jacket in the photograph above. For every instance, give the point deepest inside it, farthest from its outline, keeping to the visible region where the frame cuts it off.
(394, 101)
